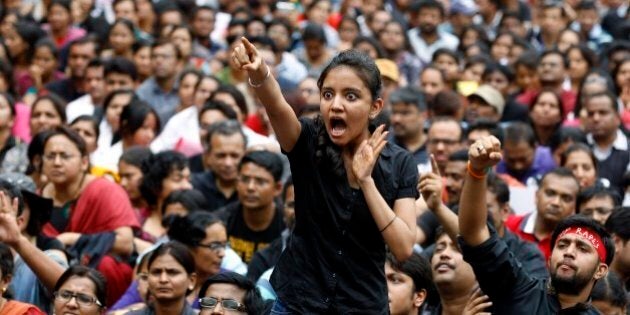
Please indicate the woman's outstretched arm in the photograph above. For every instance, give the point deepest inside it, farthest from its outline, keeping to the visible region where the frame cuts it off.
(282, 117)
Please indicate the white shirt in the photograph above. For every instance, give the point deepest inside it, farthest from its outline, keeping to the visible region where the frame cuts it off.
(81, 106)
(424, 51)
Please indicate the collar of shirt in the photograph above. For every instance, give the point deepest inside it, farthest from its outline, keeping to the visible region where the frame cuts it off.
(620, 143)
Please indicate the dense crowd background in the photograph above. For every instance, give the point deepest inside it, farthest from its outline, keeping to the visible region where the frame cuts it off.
(134, 146)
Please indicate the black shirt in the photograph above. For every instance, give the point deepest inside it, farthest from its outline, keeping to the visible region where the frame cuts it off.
(334, 260)
(243, 240)
(65, 89)
(510, 288)
(204, 182)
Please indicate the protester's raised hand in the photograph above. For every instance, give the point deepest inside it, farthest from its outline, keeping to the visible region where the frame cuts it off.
(484, 153)
(430, 186)
(367, 154)
(245, 56)
(9, 229)
(477, 303)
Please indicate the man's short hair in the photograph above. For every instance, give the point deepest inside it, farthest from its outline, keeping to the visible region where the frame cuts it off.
(417, 268)
(165, 42)
(586, 222)
(561, 172)
(88, 39)
(597, 192)
(498, 187)
(225, 109)
(224, 128)
(252, 299)
(409, 95)
(95, 63)
(618, 223)
(458, 156)
(517, 132)
(448, 119)
(611, 97)
(121, 65)
(554, 51)
(484, 124)
(427, 4)
(268, 160)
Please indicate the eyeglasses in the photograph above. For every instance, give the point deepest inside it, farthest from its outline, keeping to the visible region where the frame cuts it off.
(51, 157)
(228, 304)
(82, 299)
(215, 246)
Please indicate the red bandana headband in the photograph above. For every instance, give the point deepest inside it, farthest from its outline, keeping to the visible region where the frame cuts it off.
(588, 235)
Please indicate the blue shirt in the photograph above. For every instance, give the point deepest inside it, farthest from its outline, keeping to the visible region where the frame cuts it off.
(543, 163)
(164, 103)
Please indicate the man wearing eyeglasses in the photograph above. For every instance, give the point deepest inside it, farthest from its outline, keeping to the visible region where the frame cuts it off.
(444, 138)
(231, 293)
(597, 202)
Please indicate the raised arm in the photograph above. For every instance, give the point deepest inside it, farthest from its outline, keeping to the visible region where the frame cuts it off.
(282, 117)
(473, 213)
(430, 186)
(45, 268)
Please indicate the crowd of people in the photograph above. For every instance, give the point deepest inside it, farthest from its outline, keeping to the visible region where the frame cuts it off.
(320, 156)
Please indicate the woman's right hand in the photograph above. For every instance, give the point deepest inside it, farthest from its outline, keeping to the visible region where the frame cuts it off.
(9, 229)
(245, 56)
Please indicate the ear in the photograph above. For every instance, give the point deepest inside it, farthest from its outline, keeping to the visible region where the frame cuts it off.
(377, 107)
(193, 280)
(505, 212)
(277, 189)
(21, 222)
(618, 244)
(85, 163)
(419, 298)
(602, 271)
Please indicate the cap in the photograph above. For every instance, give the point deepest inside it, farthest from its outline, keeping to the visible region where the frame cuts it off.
(388, 69)
(491, 96)
(465, 7)
(41, 208)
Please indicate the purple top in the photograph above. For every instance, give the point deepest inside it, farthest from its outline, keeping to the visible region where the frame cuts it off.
(543, 163)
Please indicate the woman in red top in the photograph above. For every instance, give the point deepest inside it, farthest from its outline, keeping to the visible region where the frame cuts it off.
(92, 216)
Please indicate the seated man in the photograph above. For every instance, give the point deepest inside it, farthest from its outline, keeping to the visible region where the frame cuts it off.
(581, 252)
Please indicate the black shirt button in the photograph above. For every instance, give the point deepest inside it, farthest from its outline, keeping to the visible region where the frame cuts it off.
(339, 252)
(334, 275)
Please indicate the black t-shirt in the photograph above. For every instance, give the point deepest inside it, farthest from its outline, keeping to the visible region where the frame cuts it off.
(244, 241)
(334, 260)
(204, 182)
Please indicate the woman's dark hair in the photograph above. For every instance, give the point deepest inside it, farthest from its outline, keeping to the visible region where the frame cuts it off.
(380, 52)
(190, 199)
(191, 71)
(6, 71)
(66, 4)
(155, 169)
(237, 95)
(588, 54)
(187, 29)
(406, 45)
(110, 97)
(178, 251)
(133, 116)
(72, 135)
(30, 34)
(93, 275)
(616, 72)
(494, 67)
(11, 101)
(225, 109)
(578, 147)
(58, 104)
(564, 134)
(190, 230)
(481, 34)
(36, 149)
(46, 42)
(252, 299)
(126, 23)
(558, 99)
(445, 51)
(364, 67)
(135, 156)
(6, 261)
(139, 44)
(586, 222)
(610, 289)
(93, 123)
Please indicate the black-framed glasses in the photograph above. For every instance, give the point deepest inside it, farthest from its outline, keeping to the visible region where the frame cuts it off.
(228, 304)
(82, 299)
(215, 246)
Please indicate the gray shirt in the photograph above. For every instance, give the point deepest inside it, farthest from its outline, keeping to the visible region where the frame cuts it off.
(164, 103)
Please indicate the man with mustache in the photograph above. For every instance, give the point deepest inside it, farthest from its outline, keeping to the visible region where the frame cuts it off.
(581, 252)
(555, 201)
(425, 38)
(407, 120)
